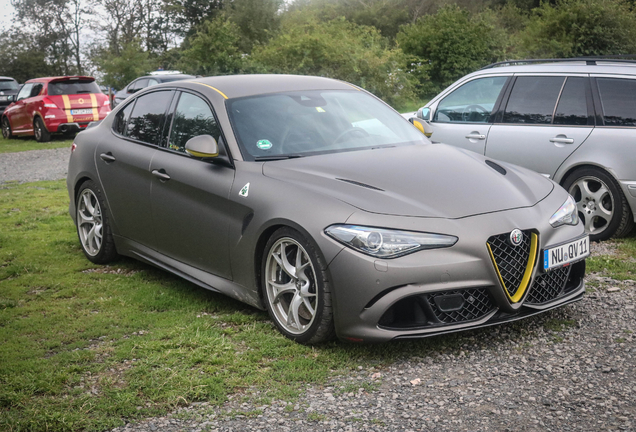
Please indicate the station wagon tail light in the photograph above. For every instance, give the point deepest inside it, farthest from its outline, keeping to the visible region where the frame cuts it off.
(387, 243)
(567, 214)
(48, 103)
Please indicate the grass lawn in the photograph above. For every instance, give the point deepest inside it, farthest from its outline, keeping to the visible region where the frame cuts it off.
(29, 143)
(87, 347)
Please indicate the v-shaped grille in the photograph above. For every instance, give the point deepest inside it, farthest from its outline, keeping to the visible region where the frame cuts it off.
(514, 263)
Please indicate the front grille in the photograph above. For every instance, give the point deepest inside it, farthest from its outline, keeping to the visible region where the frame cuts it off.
(477, 304)
(548, 286)
(511, 260)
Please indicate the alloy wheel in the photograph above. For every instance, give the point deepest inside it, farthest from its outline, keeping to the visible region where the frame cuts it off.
(89, 222)
(291, 286)
(594, 202)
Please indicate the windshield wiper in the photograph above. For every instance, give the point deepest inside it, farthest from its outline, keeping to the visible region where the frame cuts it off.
(275, 157)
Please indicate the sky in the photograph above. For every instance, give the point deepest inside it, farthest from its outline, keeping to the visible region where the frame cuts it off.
(6, 12)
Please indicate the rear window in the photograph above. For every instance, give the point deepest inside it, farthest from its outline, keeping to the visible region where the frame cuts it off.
(8, 85)
(73, 87)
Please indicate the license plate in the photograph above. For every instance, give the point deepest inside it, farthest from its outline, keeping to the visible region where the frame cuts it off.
(81, 111)
(4, 98)
(564, 254)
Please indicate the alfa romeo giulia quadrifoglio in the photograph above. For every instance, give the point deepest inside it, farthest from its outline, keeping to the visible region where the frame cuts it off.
(312, 199)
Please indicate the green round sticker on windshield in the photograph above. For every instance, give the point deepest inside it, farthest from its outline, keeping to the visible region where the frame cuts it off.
(264, 144)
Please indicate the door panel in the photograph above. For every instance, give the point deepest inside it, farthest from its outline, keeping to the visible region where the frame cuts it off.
(539, 148)
(123, 169)
(468, 136)
(191, 211)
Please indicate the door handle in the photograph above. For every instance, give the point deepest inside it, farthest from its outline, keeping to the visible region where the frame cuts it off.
(562, 139)
(161, 175)
(476, 136)
(107, 157)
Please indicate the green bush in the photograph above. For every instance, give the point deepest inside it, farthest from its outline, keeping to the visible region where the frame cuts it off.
(573, 28)
(337, 49)
(448, 45)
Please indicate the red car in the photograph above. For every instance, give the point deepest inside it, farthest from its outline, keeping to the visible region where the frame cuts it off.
(45, 106)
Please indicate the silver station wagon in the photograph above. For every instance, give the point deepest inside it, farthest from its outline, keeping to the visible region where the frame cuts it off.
(572, 121)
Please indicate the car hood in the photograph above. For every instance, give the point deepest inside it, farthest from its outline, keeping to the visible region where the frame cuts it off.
(417, 180)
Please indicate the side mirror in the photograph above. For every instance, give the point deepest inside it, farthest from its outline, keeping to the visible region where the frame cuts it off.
(424, 113)
(202, 146)
(422, 126)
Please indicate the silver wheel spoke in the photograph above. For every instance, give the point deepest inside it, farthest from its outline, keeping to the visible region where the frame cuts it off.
(89, 222)
(309, 307)
(281, 289)
(284, 262)
(293, 318)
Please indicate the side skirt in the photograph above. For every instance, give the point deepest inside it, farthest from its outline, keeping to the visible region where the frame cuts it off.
(191, 274)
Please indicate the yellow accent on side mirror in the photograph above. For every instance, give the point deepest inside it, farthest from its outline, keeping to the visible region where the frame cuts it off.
(422, 126)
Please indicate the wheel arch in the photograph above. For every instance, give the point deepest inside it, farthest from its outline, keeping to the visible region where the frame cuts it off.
(562, 177)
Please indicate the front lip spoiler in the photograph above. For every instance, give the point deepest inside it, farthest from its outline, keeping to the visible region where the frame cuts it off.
(525, 312)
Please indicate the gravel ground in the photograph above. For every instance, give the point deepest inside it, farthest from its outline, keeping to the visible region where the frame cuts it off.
(572, 369)
(34, 165)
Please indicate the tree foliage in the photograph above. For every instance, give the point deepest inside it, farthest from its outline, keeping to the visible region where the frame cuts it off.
(573, 28)
(448, 45)
(337, 49)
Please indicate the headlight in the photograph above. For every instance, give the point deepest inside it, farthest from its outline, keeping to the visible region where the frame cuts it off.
(385, 243)
(567, 214)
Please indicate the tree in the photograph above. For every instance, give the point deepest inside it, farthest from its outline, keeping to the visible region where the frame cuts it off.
(22, 59)
(448, 45)
(337, 49)
(257, 20)
(120, 69)
(573, 28)
(213, 49)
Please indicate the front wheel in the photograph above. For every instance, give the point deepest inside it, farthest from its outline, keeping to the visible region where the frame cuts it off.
(601, 204)
(93, 227)
(40, 131)
(6, 129)
(297, 292)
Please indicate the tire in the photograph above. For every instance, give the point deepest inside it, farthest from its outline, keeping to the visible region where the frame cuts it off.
(6, 129)
(292, 291)
(40, 131)
(93, 224)
(601, 204)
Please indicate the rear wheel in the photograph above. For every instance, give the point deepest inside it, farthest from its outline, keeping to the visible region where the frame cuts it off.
(297, 292)
(6, 129)
(93, 226)
(601, 204)
(40, 131)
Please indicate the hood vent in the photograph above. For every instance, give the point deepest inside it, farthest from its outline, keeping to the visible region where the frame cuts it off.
(361, 184)
(501, 170)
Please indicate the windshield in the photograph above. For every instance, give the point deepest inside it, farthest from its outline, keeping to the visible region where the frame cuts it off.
(73, 87)
(8, 85)
(311, 122)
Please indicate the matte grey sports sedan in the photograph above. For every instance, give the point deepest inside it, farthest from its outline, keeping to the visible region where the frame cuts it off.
(311, 198)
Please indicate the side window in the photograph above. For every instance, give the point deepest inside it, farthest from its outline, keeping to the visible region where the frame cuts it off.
(147, 117)
(25, 91)
(152, 82)
(618, 100)
(121, 119)
(473, 102)
(138, 85)
(532, 100)
(193, 117)
(37, 88)
(572, 107)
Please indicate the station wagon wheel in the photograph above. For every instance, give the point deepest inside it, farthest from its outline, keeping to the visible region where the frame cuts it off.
(6, 129)
(601, 205)
(93, 227)
(40, 131)
(296, 291)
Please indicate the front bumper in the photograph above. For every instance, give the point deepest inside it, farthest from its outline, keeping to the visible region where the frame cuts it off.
(379, 300)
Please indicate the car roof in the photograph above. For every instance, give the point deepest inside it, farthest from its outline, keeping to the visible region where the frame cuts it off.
(3, 78)
(236, 86)
(60, 78)
(172, 77)
(601, 67)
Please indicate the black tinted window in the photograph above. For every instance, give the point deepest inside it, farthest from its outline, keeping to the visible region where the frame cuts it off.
(73, 87)
(618, 97)
(119, 125)
(8, 85)
(193, 117)
(147, 117)
(37, 88)
(572, 107)
(532, 100)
